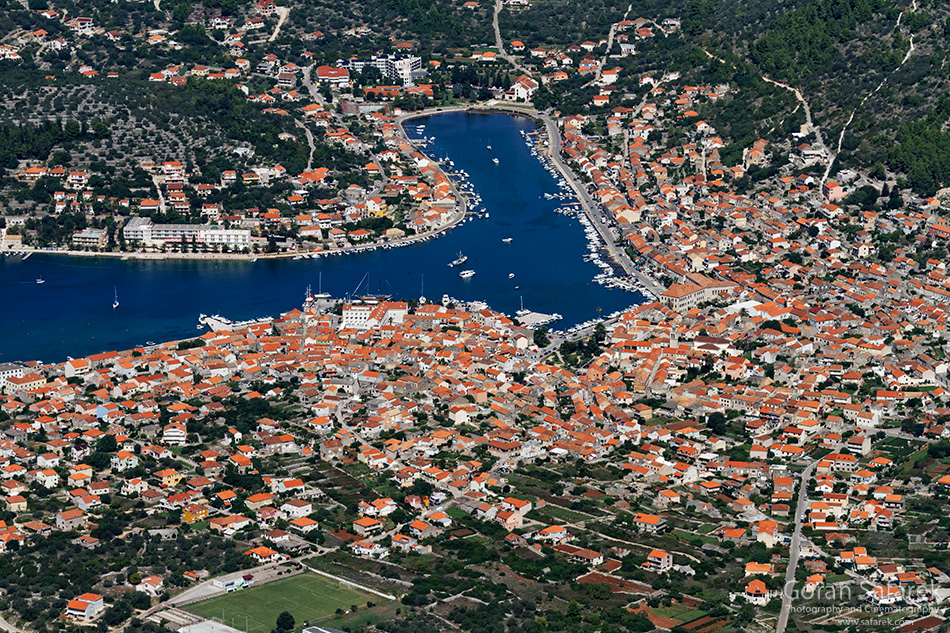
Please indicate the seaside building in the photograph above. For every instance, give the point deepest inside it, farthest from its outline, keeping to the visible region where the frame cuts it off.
(144, 231)
(95, 238)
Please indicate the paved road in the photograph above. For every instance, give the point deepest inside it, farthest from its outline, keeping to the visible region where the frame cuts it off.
(6, 626)
(794, 548)
(592, 208)
(314, 91)
(501, 45)
(610, 45)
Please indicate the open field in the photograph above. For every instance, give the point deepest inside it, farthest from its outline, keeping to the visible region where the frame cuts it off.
(307, 597)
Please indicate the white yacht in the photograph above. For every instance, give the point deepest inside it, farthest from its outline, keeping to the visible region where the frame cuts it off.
(465, 274)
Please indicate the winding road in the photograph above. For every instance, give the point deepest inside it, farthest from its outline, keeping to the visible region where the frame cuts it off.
(610, 45)
(820, 141)
(500, 45)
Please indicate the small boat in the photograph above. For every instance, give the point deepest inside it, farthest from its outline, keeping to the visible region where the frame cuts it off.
(511, 275)
(40, 280)
(489, 147)
(115, 302)
(506, 240)
(461, 259)
(200, 327)
(465, 274)
(494, 160)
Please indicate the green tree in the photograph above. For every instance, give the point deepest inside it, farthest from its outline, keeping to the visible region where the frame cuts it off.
(285, 621)
(541, 337)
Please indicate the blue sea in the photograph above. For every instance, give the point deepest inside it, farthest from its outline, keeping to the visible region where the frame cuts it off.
(71, 313)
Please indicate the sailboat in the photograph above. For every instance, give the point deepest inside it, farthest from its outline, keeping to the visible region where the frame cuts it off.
(320, 294)
(115, 302)
(522, 311)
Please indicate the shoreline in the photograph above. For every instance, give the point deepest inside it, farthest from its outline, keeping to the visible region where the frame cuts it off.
(543, 123)
(453, 221)
(548, 127)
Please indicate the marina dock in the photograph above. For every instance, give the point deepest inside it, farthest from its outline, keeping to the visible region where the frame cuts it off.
(537, 319)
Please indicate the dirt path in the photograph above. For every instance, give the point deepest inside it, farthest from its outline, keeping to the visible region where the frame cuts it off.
(910, 51)
(310, 142)
(820, 141)
(283, 12)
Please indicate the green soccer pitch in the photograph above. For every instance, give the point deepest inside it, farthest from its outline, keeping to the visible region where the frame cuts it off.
(308, 597)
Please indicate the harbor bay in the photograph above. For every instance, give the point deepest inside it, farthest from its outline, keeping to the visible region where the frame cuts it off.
(521, 250)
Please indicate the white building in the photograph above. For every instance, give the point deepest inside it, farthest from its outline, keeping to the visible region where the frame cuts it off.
(363, 316)
(142, 230)
(404, 68)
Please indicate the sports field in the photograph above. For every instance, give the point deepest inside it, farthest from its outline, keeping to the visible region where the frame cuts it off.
(308, 597)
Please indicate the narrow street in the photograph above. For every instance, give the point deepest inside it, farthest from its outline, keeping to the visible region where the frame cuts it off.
(610, 45)
(794, 549)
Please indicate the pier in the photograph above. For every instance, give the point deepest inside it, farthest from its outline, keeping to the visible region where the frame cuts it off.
(537, 319)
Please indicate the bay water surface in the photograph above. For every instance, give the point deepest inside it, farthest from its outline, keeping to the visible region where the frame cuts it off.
(71, 313)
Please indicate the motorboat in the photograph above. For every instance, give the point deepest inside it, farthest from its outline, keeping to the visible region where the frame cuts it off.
(458, 261)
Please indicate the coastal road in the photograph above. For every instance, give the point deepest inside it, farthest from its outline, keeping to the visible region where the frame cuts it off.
(794, 548)
(593, 209)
